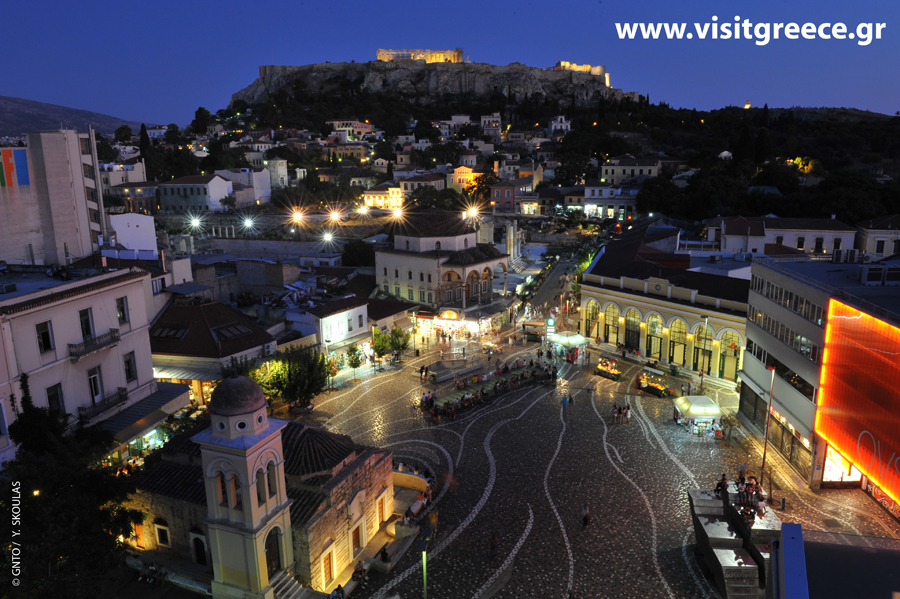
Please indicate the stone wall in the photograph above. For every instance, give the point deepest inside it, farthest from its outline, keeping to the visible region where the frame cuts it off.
(330, 529)
(180, 517)
(430, 81)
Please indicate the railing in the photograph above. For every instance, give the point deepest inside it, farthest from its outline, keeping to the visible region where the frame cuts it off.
(110, 401)
(89, 346)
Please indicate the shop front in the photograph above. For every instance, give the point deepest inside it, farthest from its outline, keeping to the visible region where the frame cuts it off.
(783, 436)
(698, 414)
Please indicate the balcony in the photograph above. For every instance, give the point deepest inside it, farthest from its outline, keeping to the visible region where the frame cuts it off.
(116, 398)
(77, 351)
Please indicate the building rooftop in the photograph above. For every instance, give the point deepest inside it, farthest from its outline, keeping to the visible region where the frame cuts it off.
(843, 282)
(891, 221)
(382, 308)
(205, 329)
(432, 222)
(21, 285)
(337, 306)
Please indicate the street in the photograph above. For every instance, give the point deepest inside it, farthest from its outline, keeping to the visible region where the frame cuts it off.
(523, 467)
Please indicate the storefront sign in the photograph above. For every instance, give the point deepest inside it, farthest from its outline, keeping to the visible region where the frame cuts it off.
(859, 408)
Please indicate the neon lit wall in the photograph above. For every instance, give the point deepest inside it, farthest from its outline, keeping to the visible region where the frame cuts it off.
(859, 393)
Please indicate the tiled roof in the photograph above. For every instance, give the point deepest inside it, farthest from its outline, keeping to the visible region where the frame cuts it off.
(193, 180)
(758, 225)
(380, 308)
(181, 481)
(136, 184)
(203, 335)
(310, 449)
(891, 221)
(432, 222)
(382, 187)
(334, 307)
(426, 178)
(306, 504)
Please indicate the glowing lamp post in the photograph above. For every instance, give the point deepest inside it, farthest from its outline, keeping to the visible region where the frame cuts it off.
(768, 422)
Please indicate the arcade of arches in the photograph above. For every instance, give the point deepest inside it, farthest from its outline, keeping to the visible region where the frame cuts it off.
(714, 349)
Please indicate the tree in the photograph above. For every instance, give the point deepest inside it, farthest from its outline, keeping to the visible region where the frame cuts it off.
(354, 359)
(228, 202)
(296, 376)
(75, 506)
(146, 150)
(105, 152)
(399, 340)
(173, 137)
(390, 171)
(333, 367)
(358, 253)
(656, 195)
(202, 119)
(480, 189)
(123, 134)
(381, 343)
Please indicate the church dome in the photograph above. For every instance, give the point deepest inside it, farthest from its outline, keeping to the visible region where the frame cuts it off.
(236, 395)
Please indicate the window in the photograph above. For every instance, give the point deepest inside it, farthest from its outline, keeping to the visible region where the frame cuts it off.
(779, 240)
(429, 298)
(820, 245)
(385, 271)
(55, 399)
(45, 336)
(896, 246)
(122, 309)
(437, 245)
(409, 294)
(407, 245)
(421, 276)
(429, 278)
(507, 193)
(360, 321)
(879, 246)
(86, 317)
(158, 285)
(397, 291)
(349, 323)
(837, 243)
(95, 384)
(130, 367)
(162, 532)
(387, 288)
(421, 296)
(409, 275)
(396, 274)
(801, 241)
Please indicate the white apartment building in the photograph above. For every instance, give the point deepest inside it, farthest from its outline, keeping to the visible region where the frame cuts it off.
(618, 169)
(338, 323)
(131, 171)
(559, 123)
(751, 234)
(410, 184)
(195, 193)
(436, 261)
(85, 346)
(51, 208)
(879, 237)
(257, 178)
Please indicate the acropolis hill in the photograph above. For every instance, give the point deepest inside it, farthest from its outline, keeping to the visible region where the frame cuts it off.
(430, 80)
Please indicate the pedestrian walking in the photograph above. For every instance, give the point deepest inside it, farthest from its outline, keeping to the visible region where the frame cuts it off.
(616, 415)
(690, 388)
(683, 389)
(585, 516)
(442, 354)
(627, 414)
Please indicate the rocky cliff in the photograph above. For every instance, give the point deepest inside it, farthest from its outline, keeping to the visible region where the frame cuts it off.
(428, 81)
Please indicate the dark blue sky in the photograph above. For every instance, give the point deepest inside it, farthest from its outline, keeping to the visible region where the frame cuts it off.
(157, 61)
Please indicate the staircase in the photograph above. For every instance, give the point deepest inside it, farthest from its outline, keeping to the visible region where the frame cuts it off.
(286, 587)
(517, 265)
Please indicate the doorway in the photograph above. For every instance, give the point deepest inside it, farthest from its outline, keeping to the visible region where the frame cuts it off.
(702, 359)
(86, 318)
(273, 553)
(355, 543)
(95, 383)
(199, 551)
(381, 516)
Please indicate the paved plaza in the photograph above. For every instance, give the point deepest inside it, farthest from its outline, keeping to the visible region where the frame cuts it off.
(523, 466)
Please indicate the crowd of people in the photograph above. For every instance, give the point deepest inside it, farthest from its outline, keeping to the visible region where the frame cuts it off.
(621, 415)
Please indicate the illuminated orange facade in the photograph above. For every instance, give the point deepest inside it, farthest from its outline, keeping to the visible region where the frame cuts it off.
(859, 394)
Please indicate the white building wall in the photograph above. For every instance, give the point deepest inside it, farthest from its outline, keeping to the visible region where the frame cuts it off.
(135, 231)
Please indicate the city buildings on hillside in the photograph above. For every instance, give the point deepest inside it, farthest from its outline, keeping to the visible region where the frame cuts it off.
(138, 196)
(82, 338)
(386, 196)
(826, 336)
(51, 206)
(621, 168)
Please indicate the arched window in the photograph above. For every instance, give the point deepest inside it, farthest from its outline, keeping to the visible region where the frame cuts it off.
(272, 475)
(704, 338)
(407, 245)
(632, 329)
(731, 344)
(654, 336)
(465, 242)
(592, 319)
(612, 323)
(222, 489)
(260, 487)
(396, 274)
(437, 245)
(238, 499)
(655, 325)
(677, 341)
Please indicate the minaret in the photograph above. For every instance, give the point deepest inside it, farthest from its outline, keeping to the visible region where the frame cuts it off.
(246, 498)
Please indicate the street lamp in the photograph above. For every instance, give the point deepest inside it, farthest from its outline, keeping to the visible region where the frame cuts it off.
(398, 213)
(327, 237)
(297, 216)
(768, 422)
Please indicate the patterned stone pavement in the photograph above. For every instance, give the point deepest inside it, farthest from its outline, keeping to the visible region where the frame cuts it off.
(523, 466)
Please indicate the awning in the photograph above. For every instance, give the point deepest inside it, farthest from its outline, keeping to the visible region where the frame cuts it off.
(568, 339)
(188, 371)
(404, 323)
(654, 371)
(347, 342)
(147, 414)
(697, 406)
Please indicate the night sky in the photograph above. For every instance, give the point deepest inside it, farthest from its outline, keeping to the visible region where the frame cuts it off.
(157, 61)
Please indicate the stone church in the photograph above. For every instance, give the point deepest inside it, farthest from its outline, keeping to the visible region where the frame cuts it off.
(251, 499)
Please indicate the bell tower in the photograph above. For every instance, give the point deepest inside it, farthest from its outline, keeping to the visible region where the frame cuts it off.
(246, 497)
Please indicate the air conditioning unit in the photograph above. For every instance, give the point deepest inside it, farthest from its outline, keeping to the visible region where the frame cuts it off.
(270, 350)
(7, 287)
(852, 256)
(872, 276)
(838, 256)
(892, 276)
